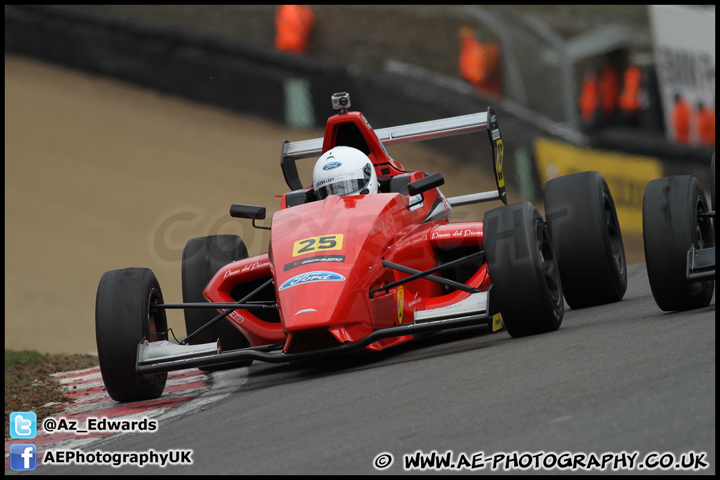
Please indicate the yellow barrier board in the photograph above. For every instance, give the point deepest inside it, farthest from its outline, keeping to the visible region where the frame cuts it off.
(626, 175)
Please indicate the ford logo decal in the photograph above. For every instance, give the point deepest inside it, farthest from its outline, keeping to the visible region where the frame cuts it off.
(311, 277)
(331, 165)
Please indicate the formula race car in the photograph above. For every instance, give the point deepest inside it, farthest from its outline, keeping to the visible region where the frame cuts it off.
(679, 241)
(366, 271)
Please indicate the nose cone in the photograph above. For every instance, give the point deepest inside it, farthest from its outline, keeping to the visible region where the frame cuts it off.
(321, 310)
(323, 253)
(320, 299)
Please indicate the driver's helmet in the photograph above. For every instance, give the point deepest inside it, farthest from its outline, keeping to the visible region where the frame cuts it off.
(344, 171)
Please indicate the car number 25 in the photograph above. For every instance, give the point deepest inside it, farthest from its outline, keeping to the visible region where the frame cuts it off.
(317, 244)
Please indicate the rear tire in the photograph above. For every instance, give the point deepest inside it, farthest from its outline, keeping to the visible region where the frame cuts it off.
(522, 266)
(670, 226)
(123, 318)
(712, 182)
(202, 258)
(585, 231)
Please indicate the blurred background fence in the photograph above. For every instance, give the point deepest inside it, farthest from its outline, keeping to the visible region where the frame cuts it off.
(400, 65)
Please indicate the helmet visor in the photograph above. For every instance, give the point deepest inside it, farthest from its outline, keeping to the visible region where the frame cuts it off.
(345, 184)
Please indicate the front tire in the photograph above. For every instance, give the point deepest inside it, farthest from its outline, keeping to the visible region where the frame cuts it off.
(523, 269)
(671, 225)
(202, 258)
(712, 182)
(585, 231)
(124, 316)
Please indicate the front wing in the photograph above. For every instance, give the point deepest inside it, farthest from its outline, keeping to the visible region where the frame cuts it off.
(165, 356)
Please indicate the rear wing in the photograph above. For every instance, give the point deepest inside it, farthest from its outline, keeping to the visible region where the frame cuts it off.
(415, 132)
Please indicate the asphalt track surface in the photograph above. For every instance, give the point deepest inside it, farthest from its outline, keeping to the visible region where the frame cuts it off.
(625, 377)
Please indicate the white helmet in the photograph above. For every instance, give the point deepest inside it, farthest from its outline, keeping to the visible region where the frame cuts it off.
(344, 171)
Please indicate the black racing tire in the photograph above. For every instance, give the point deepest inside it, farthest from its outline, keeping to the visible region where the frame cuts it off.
(521, 262)
(671, 225)
(712, 182)
(202, 258)
(123, 318)
(585, 231)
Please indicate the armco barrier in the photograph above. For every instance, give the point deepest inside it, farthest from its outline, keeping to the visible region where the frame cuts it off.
(295, 90)
(208, 69)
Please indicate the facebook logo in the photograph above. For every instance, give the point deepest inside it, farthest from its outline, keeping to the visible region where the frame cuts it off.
(23, 456)
(23, 425)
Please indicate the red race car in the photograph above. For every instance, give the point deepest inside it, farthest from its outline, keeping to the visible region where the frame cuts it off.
(348, 269)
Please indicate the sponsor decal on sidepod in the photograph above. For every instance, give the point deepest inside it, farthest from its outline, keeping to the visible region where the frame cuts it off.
(311, 277)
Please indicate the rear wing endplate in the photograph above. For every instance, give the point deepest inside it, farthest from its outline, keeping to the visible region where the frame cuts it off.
(415, 132)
